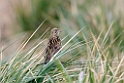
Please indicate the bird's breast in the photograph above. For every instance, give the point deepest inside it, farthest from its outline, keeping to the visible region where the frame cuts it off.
(54, 41)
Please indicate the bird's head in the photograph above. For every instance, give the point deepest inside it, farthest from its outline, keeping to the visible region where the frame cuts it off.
(55, 32)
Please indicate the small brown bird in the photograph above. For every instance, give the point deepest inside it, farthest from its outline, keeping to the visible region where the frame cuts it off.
(54, 44)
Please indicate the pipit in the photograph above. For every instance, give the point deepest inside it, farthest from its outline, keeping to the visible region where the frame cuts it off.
(54, 44)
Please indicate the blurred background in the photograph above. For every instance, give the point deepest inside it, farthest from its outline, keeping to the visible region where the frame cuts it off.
(19, 17)
(97, 51)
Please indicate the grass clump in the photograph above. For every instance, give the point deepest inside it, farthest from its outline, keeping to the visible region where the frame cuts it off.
(91, 56)
(92, 52)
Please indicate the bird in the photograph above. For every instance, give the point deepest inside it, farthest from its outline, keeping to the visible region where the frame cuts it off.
(54, 44)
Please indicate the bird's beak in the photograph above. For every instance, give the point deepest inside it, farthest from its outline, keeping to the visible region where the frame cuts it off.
(60, 30)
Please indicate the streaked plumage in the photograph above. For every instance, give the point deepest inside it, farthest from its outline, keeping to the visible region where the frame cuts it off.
(54, 44)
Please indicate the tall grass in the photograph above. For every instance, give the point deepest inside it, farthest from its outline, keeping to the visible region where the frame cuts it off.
(91, 56)
(93, 45)
(72, 15)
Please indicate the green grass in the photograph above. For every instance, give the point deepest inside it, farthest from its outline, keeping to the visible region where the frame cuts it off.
(93, 43)
(98, 65)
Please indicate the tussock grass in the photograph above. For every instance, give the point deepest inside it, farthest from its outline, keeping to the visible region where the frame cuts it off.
(92, 56)
(92, 49)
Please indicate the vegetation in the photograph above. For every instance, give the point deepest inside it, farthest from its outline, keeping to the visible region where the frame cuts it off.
(92, 37)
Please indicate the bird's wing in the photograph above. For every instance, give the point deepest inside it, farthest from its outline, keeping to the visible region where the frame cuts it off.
(48, 55)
